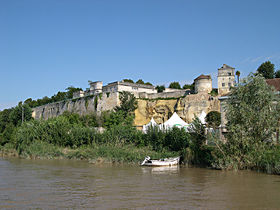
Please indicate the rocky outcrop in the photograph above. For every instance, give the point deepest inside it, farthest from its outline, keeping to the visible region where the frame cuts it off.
(187, 108)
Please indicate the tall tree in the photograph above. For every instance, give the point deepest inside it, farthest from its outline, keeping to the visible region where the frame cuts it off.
(267, 70)
(253, 118)
(238, 75)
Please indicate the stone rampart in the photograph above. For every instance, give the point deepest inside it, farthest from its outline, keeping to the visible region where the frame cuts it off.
(160, 108)
(82, 106)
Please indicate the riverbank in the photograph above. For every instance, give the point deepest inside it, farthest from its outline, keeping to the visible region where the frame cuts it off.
(105, 153)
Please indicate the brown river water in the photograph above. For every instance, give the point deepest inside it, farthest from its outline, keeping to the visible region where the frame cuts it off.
(68, 184)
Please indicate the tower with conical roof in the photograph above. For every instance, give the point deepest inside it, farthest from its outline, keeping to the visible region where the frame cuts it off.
(226, 79)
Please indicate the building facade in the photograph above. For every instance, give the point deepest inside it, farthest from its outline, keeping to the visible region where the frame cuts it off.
(226, 79)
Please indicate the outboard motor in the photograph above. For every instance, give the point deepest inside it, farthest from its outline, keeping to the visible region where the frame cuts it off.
(146, 159)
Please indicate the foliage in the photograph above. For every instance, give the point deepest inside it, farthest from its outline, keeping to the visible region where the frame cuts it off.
(10, 119)
(187, 86)
(128, 80)
(174, 139)
(238, 76)
(199, 153)
(148, 83)
(160, 88)
(140, 81)
(213, 119)
(128, 103)
(214, 92)
(253, 119)
(277, 74)
(266, 69)
(175, 85)
(60, 96)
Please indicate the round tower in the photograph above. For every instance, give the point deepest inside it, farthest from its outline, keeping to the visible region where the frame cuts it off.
(203, 83)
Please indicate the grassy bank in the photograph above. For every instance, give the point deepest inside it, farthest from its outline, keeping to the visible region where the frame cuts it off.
(104, 153)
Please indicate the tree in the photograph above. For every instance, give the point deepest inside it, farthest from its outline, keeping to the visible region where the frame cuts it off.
(128, 80)
(19, 113)
(277, 74)
(148, 83)
(175, 85)
(70, 91)
(238, 75)
(213, 119)
(128, 103)
(140, 81)
(253, 117)
(266, 69)
(187, 86)
(160, 88)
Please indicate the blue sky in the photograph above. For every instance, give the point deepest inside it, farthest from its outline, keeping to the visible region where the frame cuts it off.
(48, 45)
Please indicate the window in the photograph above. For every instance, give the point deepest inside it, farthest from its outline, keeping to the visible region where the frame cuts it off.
(134, 88)
(229, 74)
(223, 84)
(229, 84)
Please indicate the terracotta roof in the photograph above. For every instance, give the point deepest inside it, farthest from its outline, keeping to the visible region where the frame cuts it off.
(202, 76)
(274, 82)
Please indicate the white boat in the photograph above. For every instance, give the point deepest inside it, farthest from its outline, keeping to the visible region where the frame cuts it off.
(160, 162)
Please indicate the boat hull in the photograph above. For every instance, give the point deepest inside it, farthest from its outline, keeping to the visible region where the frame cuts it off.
(164, 162)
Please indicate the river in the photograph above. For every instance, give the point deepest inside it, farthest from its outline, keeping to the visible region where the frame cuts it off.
(68, 184)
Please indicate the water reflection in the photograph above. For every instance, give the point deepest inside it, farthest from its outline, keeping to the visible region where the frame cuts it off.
(161, 170)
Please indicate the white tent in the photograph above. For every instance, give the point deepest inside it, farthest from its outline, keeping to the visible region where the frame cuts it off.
(151, 123)
(174, 120)
(202, 117)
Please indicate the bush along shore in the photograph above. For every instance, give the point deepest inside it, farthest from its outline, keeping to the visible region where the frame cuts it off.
(252, 140)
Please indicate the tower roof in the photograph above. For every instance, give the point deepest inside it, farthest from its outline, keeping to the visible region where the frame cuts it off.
(202, 76)
(225, 66)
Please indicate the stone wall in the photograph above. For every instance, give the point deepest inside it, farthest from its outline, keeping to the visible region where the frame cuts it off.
(160, 109)
(82, 106)
(177, 94)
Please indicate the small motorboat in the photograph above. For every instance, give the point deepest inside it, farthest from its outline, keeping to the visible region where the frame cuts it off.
(160, 162)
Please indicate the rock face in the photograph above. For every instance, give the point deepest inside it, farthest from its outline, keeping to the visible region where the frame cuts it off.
(187, 108)
(160, 109)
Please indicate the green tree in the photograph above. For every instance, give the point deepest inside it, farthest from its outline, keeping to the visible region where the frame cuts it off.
(148, 83)
(266, 69)
(253, 118)
(70, 91)
(19, 113)
(238, 75)
(128, 80)
(213, 119)
(187, 86)
(277, 74)
(128, 103)
(160, 88)
(140, 81)
(175, 85)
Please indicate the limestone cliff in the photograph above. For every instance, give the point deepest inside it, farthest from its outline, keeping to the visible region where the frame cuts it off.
(186, 107)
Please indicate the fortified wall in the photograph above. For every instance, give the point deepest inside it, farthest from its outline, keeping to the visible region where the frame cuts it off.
(82, 106)
(161, 109)
(160, 106)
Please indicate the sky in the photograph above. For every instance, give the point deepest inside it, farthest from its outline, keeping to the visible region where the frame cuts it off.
(49, 45)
